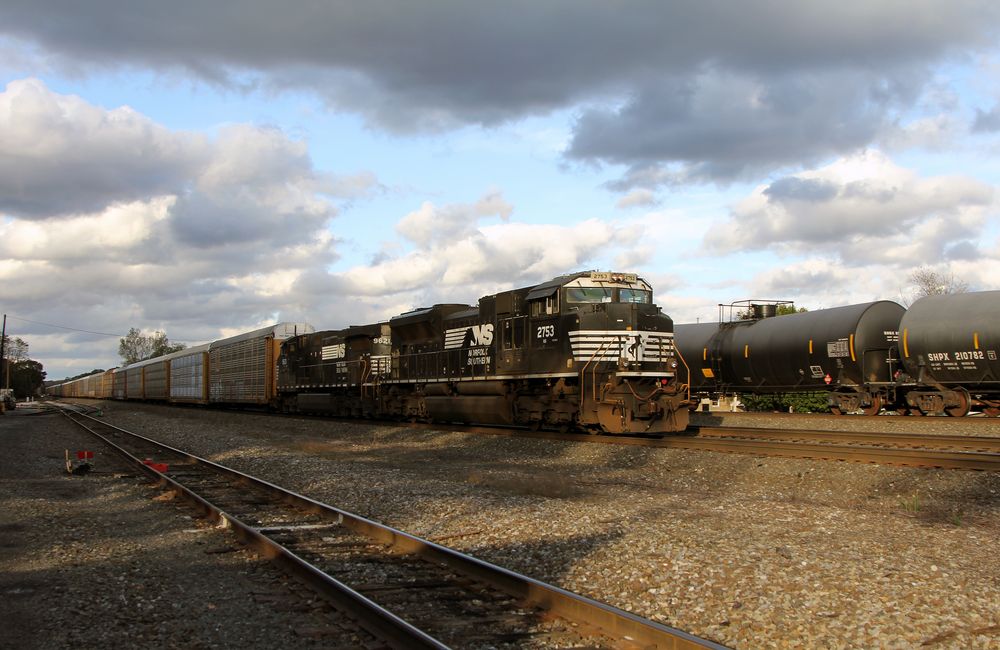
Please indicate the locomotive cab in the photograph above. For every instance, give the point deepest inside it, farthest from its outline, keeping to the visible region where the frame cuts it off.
(623, 354)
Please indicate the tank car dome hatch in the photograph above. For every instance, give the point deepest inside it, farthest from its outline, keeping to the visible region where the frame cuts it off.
(752, 309)
(764, 310)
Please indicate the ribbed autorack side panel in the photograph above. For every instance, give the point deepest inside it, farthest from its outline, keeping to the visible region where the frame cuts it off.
(133, 382)
(187, 377)
(119, 384)
(155, 381)
(238, 371)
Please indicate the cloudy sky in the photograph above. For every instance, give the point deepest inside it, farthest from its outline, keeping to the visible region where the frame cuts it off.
(207, 168)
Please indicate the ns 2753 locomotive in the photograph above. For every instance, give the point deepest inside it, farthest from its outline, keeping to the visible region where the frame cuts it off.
(588, 350)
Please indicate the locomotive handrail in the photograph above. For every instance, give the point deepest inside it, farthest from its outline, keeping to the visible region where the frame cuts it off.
(677, 351)
(619, 339)
(365, 373)
(583, 374)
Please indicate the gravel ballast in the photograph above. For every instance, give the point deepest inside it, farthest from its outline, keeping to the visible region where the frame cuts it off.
(751, 552)
(107, 560)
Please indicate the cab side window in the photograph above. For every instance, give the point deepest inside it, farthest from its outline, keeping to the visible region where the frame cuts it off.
(545, 306)
(512, 333)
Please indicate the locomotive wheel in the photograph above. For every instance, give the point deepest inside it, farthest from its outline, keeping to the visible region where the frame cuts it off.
(875, 407)
(991, 411)
(836, 410)
(963, 405)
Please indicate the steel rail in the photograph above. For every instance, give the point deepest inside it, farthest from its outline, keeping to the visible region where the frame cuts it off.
(589, 613)
(781, 444)
(928, 458)
(985, 443)
(377, 620)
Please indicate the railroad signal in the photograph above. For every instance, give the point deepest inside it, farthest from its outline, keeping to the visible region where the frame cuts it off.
(159, 467)
(82, 464)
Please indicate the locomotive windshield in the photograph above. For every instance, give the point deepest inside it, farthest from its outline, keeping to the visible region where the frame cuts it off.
(589, 294)
(635, 295)
(607, 294)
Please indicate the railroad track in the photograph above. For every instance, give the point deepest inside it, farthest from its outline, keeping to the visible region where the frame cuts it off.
(789, 447)
(408, 592)
(987, 444)
(884, 448)
(910, 450)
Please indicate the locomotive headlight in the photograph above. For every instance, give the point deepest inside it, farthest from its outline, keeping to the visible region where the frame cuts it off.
(673, 364)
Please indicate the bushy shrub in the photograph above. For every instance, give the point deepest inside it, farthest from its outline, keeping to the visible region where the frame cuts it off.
(798, 402)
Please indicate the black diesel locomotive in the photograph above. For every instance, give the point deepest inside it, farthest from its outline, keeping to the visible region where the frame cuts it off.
(587, 350)
(938, 357)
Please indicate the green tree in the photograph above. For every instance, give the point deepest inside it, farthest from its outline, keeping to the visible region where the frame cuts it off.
(136, 346)
(26, 378)
(15, 349)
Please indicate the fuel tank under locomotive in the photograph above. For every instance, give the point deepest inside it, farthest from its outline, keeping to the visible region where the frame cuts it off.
(954, 360)
(850, 350)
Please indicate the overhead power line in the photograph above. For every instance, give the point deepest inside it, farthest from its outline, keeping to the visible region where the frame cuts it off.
(63, 327)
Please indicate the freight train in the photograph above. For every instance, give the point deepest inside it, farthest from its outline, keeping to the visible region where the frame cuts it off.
(588, 351)
(235, 370)
(940, 356)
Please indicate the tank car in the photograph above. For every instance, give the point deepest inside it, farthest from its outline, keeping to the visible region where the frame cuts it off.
(950, 346)
(850, 351)
(587, 350)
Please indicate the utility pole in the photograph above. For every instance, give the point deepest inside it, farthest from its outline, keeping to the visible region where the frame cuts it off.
(3, 339)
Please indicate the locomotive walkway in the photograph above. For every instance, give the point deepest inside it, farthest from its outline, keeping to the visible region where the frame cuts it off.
(406, 591)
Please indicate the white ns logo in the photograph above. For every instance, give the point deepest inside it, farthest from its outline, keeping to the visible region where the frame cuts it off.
(482, 334)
